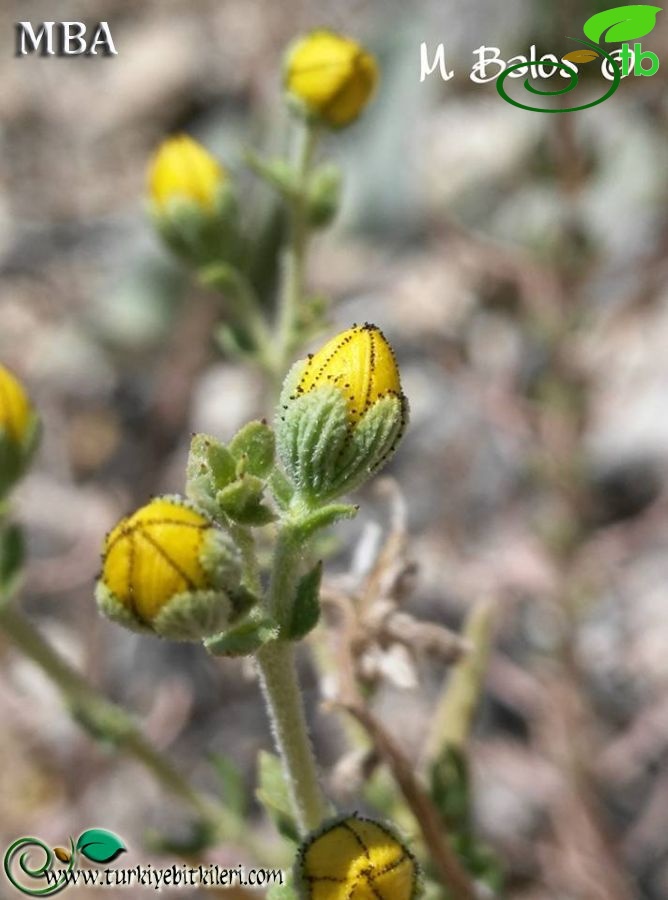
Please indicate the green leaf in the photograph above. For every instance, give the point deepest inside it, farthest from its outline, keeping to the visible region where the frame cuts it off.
(623, 23)
(326, 516)
(273, 794)
(210, 468)
(242, 639)
(12, 554)
(254, 446)
(450, 789)
(306, 610)
(275, 172)
(324, 195)
(99, 845)
(235, 341)
(242, 501)
(232, 782)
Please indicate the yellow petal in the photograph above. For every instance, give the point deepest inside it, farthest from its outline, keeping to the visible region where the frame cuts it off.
(332, 74)
(358, 859)
(15, 408)
(154, 554)
(183, 169)
(359, 362)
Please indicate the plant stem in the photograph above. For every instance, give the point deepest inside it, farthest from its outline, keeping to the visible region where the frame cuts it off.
(251, 569)
(278, 674)
(453, 718)
(452, 873)
(102, 718)
(227, 279)
(293, 277)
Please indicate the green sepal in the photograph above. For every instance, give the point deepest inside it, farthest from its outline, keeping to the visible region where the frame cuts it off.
(272, 792)
(372, 442)
(242, 501)
(209, 469)
(12, 555)
(306, 609)
(244, 638)
(281, 488)
(311, 433)
(253, 448)
(112, 608)
(324, 195)
(325, 454)
(193, 615)
(198, 235)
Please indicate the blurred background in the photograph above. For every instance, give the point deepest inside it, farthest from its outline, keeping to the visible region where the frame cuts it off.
(518, 264)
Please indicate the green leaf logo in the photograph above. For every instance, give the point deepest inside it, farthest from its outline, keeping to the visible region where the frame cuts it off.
(623, 23)
(100, 846)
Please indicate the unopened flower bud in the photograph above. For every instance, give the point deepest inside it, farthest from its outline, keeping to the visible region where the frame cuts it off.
(331, 76)
(18, 430)
(169, 570)
(342, 413)
(192, 202)
(356, 857)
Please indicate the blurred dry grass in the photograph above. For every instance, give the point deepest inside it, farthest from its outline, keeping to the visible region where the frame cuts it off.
(518, 264)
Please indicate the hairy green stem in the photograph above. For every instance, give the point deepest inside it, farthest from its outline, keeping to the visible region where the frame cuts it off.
(278, 674)
(102, 718)
(293, 278)
(453, 718)
(251, 569)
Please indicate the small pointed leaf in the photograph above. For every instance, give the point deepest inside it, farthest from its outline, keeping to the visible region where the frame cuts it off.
(273, 794)
(326, 516)
(254, 445)
(11, 558)
(243, 639)
(306, 610)
(242, 501)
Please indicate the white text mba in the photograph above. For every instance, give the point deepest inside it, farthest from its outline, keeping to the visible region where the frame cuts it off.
(64, 39)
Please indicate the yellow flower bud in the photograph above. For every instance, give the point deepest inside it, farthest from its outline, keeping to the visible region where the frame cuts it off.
(342, 413)
(332, 75)
(167, 568)
(154, 554)
(16, 412)
(356, 859)
(183, 170)
(359, 362)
